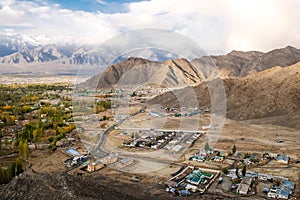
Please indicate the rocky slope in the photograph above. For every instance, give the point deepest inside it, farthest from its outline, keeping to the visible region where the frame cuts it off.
(136, 71)
(270, 93)
(55, 185)
(59, 186)
(240, 64)
(181, 72)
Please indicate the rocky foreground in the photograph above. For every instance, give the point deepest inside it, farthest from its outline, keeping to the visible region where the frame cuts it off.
(31, 185)
(48, 186)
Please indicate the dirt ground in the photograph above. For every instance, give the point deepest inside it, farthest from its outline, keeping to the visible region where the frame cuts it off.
(46, 161)
(247, 137)
(260, 138)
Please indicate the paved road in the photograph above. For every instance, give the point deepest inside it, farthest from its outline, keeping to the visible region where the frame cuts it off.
(98, 152)
(98, 149)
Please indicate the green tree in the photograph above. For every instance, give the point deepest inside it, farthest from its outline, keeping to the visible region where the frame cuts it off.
(244, 170)
(233, 149)
(237, 171)
(13, 169)
(225, 170)
(19, 168)
(0, 146)
(23, 149)
(35, 135)
(206, 146)
(53, 148)
(133, 94)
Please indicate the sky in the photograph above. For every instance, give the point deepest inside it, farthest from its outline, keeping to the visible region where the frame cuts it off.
(218, 26)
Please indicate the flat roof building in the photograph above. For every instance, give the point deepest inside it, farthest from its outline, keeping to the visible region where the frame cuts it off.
(244, 185)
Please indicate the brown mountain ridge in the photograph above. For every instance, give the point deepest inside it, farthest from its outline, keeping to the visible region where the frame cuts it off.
(181, 72)
(273, 93)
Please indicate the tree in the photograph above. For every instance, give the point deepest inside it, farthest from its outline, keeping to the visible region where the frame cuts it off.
(53, 148)
(0, 146)
(35, 135)
(13, 169)
(133, 94)
(225, 170)
(19, 167)
(233, 149)
(23, 149)
(206, 146)
(244, 170)
(136, 135)
(237, 171)
(20, 149)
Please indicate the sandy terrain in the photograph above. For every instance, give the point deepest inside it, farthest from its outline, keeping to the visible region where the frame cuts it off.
(45, 161)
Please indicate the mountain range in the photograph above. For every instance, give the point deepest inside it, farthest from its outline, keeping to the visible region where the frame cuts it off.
(257, 85)
(182, 72)
(17, 49)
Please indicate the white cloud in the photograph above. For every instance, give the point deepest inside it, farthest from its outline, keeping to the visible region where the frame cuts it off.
(216, 25)
(101, 2)
(6, 2)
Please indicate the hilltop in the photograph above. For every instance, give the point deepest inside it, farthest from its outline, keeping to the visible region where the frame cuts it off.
(135, 71)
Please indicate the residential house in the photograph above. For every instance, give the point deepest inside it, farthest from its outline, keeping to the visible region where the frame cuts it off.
(283, 191)
(198, 158)
(272, 154)
(94, 166)
(283, 159)
(264, 177)
(218, 159)
(112, 158)
(245, 185)
(125, 162)
(278, 193)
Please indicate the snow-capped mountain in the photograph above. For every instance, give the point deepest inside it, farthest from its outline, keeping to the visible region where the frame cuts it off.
(11, 42)
(17, 48)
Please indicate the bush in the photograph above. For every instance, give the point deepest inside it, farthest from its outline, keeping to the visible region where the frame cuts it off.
(225, 170)
(247, 155)
(236, 180)
(51, 139)
(53, 148)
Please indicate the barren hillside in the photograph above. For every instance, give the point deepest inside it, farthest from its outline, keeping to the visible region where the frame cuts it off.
(240, 64)
(30, 185)
(171, 73)
(270, 93)
(181, 72)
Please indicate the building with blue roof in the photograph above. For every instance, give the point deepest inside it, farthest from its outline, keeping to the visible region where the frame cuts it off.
(72, 152)
(283, 191)
(283, 159)
(288, 184)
